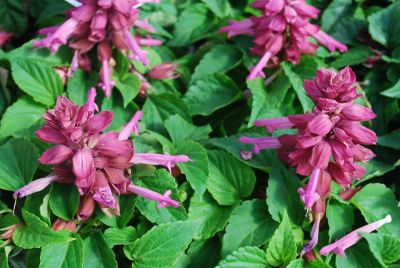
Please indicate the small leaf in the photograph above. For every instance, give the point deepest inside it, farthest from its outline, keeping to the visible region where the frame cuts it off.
(250, 225)
(340, 219)
(97, 253)
(229, 179)
(18, 163)
(64, 200)
(245, 257)
(282, 247)
(123, 236)
(128, 85)
(181, 130)
(79, 84)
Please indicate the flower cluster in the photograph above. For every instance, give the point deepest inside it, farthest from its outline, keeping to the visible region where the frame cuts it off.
(97, 163)
(329, 143)
(283, 28)
(101, 23)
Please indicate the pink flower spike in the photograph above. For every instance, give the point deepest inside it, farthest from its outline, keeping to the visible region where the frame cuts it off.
(261, 143)
(35, 186)
(163, 200)
(169, 161)
(132, 126)
(311, 195)
(257, 71)
(274, 123)
(91, 106)
(352, 238)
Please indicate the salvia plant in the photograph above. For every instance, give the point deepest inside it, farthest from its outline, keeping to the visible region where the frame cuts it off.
(199, 133)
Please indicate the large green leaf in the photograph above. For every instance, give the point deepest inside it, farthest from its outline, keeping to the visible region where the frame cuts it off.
(211, 93)
(375, 202)
(18, 163)
(340, 219)
(245, 257)
(204, 253)
(97, 253)
(229, 179)
(336, 10)
(250, 225)
(384, 26)
(117, 236)
(162, 246)
(385, 248)
(181, 130)
(37, 79)
(35, 233)
(128, 85)
(212, 217)
(28, 113)
(64, 200)
(219, 59)
(282, 247)
(63, 255)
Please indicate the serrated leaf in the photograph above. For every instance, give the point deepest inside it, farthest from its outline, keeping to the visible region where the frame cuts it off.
(384, 26)
(162, 246)
(357, 256)
(18, 163)
(385, 248)
(37, 79)
(210, 93)
(79, 84)
(181, 130)
(63, 255)
(229, 179)
(219, 59)
(282, 247)
(35, 233)
(212, 217)
(340, 219)
(375, 202)
(245, 257)
(97, 253)
(299, 263)
(123, 236)
(250, 225)
(64, 200)
(28, 113)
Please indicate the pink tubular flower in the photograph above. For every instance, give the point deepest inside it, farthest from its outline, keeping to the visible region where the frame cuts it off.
(164, 71)
(329, 141)
(283, 28)
(352, 238)
(105, 24)
(97, 163)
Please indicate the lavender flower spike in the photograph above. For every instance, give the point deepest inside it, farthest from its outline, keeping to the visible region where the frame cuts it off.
(352, 238)
(169, 161)
(35, 186)
(163, 200)
(132, 126)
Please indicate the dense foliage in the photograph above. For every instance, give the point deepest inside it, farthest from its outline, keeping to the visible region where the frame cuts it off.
(197, 186)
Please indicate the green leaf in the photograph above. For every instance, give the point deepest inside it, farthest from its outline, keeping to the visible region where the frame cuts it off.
(219, 59)
(123, 236)
(221, 8)
(64, 200)
(299, 263)
(18, 163)
(128, 85)
(37, 79)
(63, 255)
(211, 93)
(79, 84)
(340, 219)
(196, 170)
(282, 196)
(181, 130)
(385, 248)
(390, 140)
(13, 16)
(229, 179)
(297, 84)
(245, 257)
(336, 10)
(375, 202)
(194, 23)
(250, 225)
(384, 26)
(212, 217)
(204, 253)
(28, 113)
(97, 253)
(36, 233)
(121, 115)
(353, 56)
(127, 207)
(162, 246)
(161, 182)
(392, 92)
(282, 247)
(357, 256)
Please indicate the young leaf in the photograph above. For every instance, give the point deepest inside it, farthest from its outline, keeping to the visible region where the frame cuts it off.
(18, 163)
(181, 130)
(245, 257)
(340, 219)
(162, 246)
(64, 200)
(282, 247)
(97, 253)
(229, 179)
(250, 225)
(128, 85)
(123, 236)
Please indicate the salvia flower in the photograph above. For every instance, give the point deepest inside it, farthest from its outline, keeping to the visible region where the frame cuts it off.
(104, 24)
(97, 162)
(339, 246)
(330, 140)
(283, 30)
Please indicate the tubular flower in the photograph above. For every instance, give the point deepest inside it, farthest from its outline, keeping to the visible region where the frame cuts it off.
(329, 142)
(283, 29)
(103, 24)
(97, 162)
